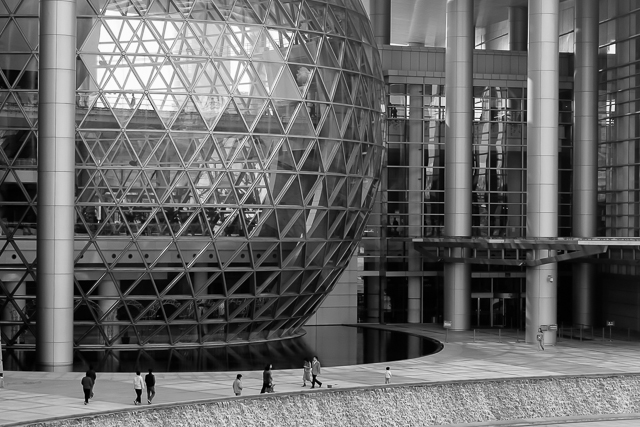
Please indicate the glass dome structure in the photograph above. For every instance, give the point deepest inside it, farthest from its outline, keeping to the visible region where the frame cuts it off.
(227, 157)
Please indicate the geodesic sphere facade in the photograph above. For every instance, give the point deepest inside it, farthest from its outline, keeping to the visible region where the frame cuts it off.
(228, 153)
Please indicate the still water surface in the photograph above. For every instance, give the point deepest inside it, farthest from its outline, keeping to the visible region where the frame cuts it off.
(334, 346)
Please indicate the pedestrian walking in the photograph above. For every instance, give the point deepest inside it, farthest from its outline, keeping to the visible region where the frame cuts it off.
(138, 386)
(315, 372)
(540, 338)
(267, 380)
(87, 384)
(306, 372)
(150, 381)
(237, 385)
(91, 373)
(387, 375)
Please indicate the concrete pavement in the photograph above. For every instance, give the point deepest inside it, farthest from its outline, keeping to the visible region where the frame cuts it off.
(36, 396)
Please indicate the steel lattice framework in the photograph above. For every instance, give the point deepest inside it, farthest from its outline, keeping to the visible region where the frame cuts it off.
(227, 156)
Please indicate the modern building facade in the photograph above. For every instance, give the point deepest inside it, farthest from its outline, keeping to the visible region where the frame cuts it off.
(179, 174)
(508, 198)
(508, 192)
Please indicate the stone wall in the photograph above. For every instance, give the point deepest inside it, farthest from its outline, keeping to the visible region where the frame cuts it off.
(406, 405)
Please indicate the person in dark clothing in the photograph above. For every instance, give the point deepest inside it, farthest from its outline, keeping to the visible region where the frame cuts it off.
(150, 381)
(87, 384)
(91, 373)
(315, 372)
(267, 379)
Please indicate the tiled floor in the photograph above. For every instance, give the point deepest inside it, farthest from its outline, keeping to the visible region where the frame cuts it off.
(33, 396)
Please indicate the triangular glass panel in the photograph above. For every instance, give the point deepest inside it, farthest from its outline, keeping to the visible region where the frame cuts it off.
(267, 227)
(299, 53)
(269, 122)
(354, 25)
(350, 130)
(205, 12)
(282, 183)
(28, 26)
(330, 127)
(338, 163)
(231, 70)
(291, 197)
(278, 16)
(337, 46)
(303, 78)
(336, 224)
(333, 184)
(283, 39)
(301, 125)
(342, 94)
(286, 88)
(210, 107)
(12, 39)
(189, 118)
(308, 20)
(366, 62)
(312, 161)
(100, 115)
(327, 56)
(266, 49)
(330, 78)
(319, 226)
(333, 24)
(355, 191)
(229, 46)
(249, 84)
(145, 116)
(231, 120)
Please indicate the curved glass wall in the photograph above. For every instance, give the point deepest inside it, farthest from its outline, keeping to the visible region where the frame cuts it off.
(227, 156)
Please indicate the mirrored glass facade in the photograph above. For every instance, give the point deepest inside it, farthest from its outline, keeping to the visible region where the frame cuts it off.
(227, 157)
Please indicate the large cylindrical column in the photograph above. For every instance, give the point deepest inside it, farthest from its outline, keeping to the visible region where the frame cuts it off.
(542, 166)
(458, 158)
(56, 175)
(372, 294)
(415, 202)
(518, 28)
(380, 16)
(585, 153)
(108, 289)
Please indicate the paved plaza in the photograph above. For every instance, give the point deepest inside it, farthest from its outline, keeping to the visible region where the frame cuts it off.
(35, 396)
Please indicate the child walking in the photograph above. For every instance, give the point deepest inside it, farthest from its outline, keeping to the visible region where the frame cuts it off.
(387, 375)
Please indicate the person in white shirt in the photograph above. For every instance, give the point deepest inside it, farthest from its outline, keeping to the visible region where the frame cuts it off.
(387, 375)
(237, 385)
(138, 386)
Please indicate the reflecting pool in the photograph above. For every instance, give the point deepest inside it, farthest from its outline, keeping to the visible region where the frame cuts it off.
(334, 346)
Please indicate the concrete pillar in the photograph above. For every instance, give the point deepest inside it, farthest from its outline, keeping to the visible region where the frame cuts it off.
(518, 29)
(380, 15)
(458, 158)
(585, 152)
(415, 202)
(542, 163)
(56, 190)
(200, 279)
(109, 288)
(372, 294)
(10, 312)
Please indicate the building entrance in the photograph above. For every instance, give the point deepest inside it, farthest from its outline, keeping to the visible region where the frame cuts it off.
(497, 310)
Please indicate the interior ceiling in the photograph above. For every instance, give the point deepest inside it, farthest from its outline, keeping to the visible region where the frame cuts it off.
(431, 27)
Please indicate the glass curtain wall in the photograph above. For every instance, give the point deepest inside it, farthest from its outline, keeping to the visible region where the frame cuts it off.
(499, 188)
(227, 157)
